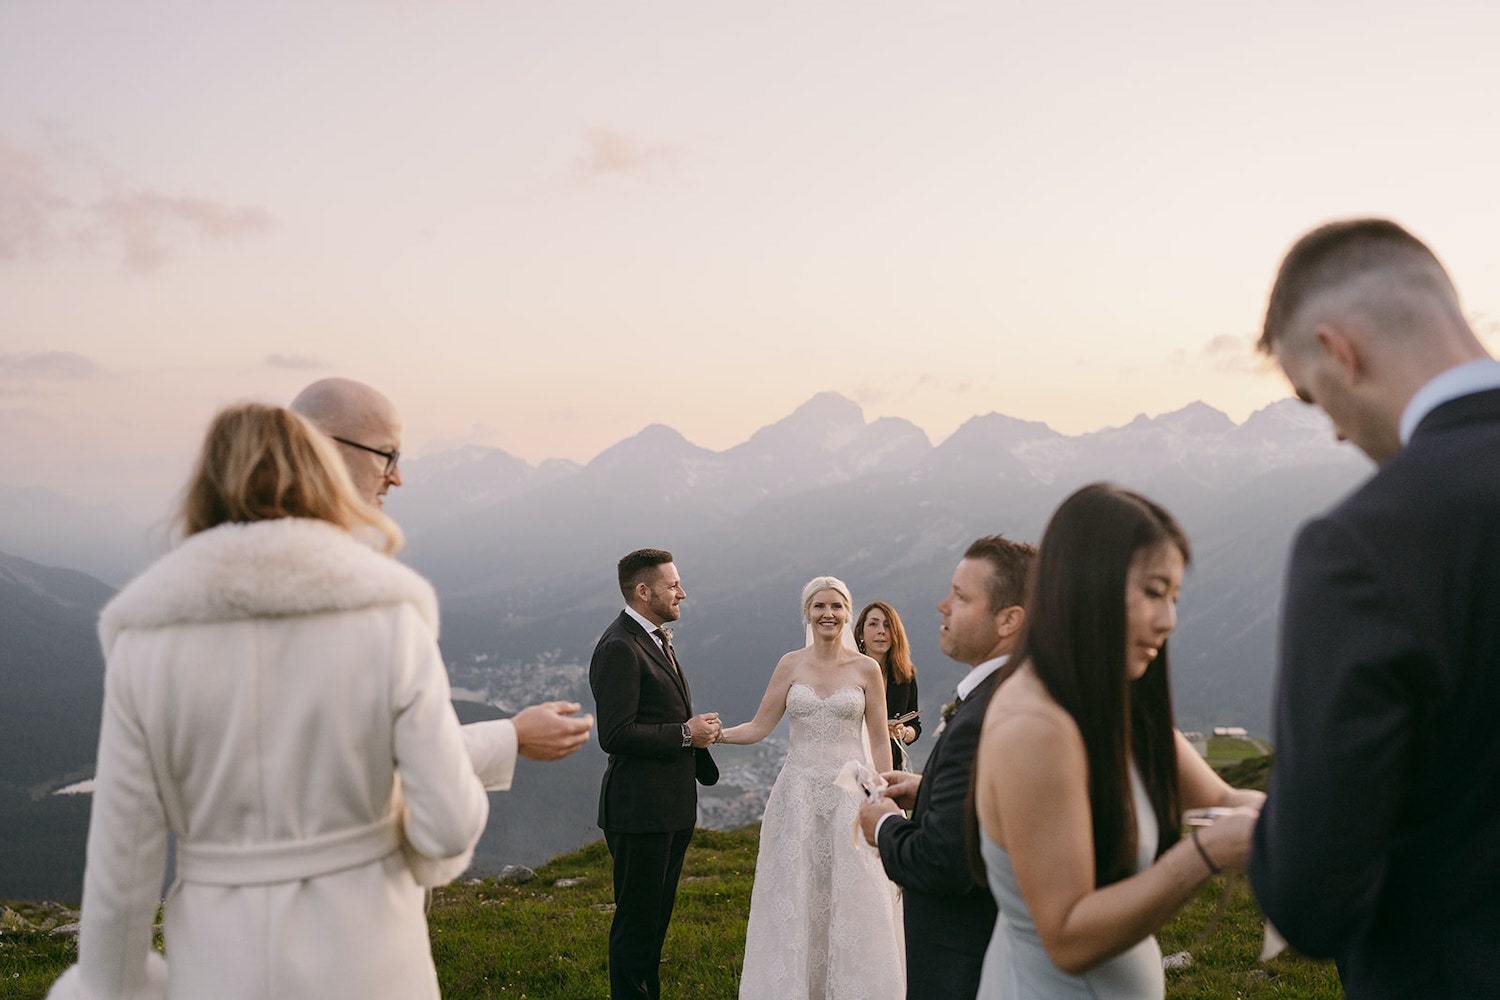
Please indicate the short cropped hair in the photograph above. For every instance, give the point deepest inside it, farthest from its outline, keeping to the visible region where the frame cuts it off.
(261, 463)
(639, 567)
(1011, 562)
(1333, 254)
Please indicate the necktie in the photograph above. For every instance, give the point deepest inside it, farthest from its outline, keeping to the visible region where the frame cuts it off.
(666, 647)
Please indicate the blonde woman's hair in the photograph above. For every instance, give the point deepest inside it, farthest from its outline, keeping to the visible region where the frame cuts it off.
(818, 583)
(260, 463)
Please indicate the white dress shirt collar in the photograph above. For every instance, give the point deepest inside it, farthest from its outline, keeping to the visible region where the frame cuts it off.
(976, 676)
(646, 624)
(1462, 380)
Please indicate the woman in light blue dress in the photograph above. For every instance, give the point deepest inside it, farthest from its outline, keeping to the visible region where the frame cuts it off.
(1082, 778)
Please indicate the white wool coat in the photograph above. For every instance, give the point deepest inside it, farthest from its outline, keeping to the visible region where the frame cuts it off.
(275, 698)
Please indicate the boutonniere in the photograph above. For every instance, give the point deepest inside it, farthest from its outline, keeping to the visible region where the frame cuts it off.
(948, 712)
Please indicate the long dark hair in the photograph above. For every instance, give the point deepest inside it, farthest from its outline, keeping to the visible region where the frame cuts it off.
(1074, 637)
(898, 666)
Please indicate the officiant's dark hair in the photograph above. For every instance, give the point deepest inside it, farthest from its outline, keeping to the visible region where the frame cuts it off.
(1074, 637)
(638, 567)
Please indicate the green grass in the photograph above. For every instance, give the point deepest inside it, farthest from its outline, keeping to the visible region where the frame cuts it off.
(1226, 750)
(31, 958)
(544, 941)
(538, 939)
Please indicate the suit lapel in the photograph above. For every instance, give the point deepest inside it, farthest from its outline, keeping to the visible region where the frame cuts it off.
(980, 693)
(658, 656)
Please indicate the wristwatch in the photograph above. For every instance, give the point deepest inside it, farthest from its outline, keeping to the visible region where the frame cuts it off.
(687, 735)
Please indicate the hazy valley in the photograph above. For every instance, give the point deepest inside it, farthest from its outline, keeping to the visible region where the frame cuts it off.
(522, 557)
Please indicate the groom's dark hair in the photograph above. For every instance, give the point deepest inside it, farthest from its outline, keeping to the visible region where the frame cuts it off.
(638, 567)
(1011, 563)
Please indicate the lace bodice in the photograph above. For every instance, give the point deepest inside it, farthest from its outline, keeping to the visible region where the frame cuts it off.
(821, 734)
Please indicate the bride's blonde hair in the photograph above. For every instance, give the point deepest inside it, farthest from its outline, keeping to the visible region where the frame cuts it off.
(818, 583)
(260, 463)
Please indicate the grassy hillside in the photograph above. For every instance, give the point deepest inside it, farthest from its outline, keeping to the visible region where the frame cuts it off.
(546, 938)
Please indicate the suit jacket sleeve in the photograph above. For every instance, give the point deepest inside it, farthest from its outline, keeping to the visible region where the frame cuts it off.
(1343, 706)
(615, 677)
(928, 854)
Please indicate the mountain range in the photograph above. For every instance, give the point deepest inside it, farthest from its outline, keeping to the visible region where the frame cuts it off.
(523, 560)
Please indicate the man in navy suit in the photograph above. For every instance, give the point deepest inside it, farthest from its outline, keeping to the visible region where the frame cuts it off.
(948, 914)
(1379, 843)
(648, 803)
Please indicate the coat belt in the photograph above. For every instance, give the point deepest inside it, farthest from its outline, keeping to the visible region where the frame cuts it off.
(287, 860)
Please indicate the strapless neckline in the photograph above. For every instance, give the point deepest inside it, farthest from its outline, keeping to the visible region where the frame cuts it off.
(825, 697)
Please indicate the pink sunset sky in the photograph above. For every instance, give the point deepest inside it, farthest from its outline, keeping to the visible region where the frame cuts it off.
(544, 225)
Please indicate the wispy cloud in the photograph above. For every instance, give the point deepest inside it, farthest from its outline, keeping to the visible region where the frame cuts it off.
(296, 362)
(612, 153)
(46, 365)
(31, 373)
(145, 225)
(1232, 352)
(28, 203)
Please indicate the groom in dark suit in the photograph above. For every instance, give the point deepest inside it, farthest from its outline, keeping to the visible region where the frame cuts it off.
(949, 915)
(648, 803)
(1379, 843)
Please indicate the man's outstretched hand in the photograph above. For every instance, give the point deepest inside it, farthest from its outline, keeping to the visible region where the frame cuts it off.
(551, 730)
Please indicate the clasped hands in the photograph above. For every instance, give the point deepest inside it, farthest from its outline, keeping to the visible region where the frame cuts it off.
(705, 728)
(900, 793)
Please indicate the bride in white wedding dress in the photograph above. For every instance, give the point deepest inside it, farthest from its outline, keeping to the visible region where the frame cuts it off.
(825, 923)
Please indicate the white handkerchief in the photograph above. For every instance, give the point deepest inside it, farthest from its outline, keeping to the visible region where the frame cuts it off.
(856, 778)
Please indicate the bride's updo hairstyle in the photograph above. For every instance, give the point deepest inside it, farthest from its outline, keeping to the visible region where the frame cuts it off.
(818, 583)
(260, 463)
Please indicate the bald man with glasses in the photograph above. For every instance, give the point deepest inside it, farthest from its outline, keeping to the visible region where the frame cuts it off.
(366, 426)
(368, 430)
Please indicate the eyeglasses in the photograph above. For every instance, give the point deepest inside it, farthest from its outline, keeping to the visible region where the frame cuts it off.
(391, 457)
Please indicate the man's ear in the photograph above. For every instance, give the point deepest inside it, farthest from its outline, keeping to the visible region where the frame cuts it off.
(1009, 620)
(1340, 348)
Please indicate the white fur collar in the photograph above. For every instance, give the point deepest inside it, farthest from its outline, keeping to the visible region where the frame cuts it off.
(289, 566)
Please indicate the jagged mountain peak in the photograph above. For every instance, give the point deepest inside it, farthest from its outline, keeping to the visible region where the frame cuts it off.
(828, 406)
(467, 456)
(826, 421)
(656, 445)
(1284, 414)
(997, 429)
(1196, 417)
